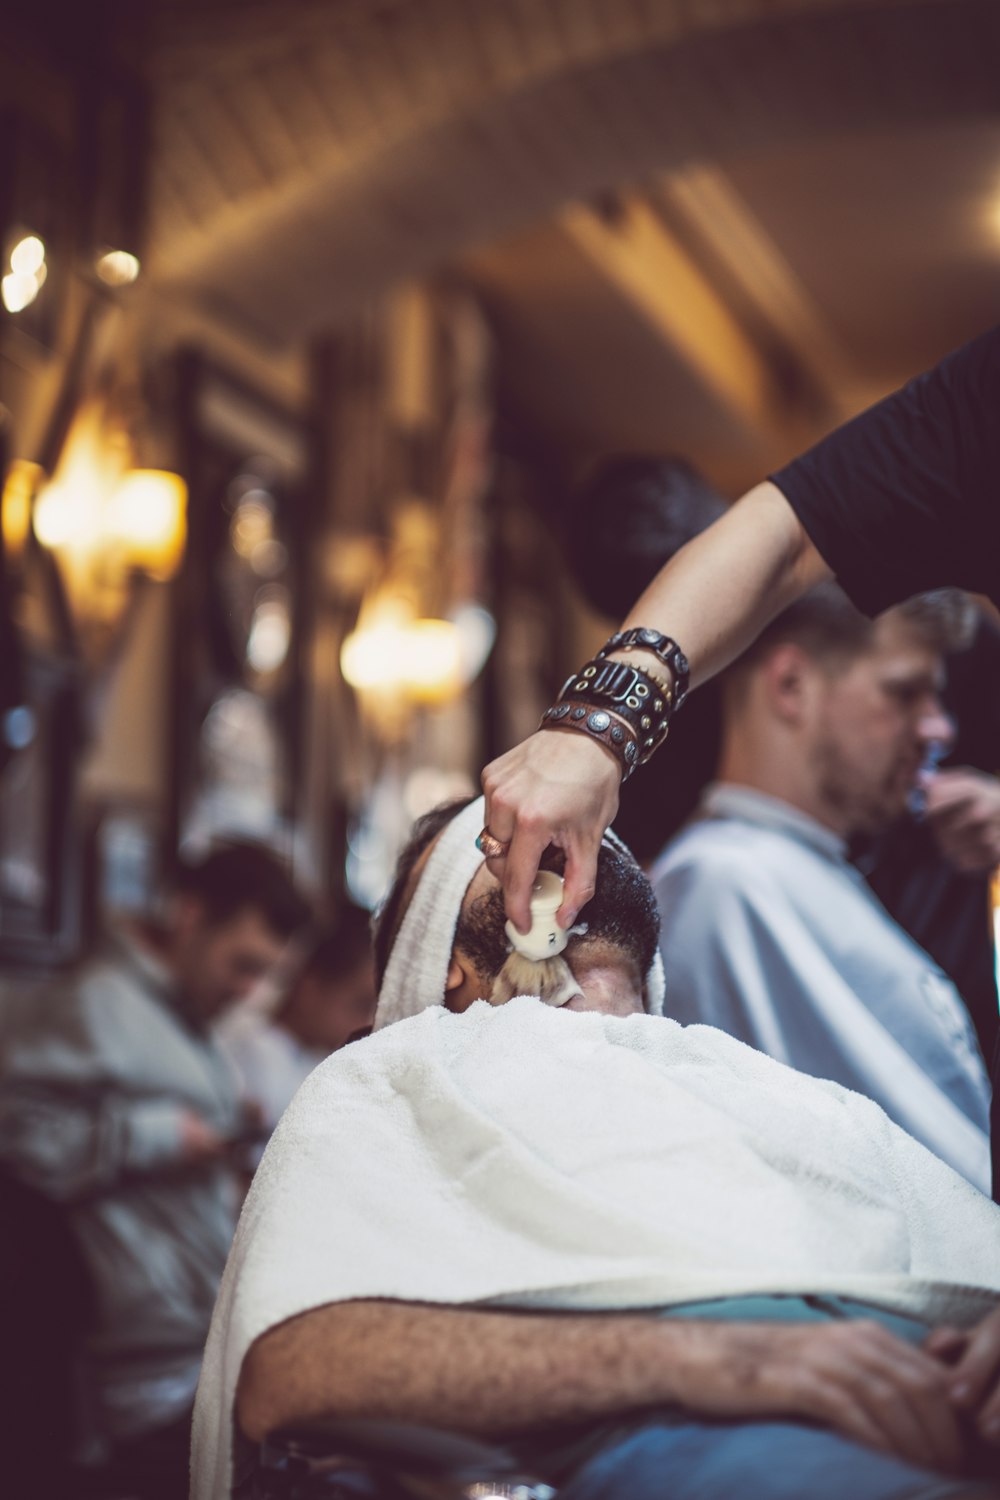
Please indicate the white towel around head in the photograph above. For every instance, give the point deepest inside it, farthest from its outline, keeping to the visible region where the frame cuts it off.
(417, 970)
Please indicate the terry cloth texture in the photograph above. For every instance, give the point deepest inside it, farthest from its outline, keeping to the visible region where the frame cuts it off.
(525, 1156)
(417, 970)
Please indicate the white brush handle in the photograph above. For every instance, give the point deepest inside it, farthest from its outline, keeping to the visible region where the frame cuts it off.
(544, 938)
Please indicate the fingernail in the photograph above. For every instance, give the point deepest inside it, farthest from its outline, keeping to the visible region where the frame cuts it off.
(568, 919)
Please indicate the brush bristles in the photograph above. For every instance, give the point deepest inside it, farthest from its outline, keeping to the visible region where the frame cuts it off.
(551, 980)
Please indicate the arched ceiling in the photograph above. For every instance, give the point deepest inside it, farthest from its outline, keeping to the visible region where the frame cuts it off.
(806, 172)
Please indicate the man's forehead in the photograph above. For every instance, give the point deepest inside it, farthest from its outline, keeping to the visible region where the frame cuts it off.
(484, 880)
(900, 647)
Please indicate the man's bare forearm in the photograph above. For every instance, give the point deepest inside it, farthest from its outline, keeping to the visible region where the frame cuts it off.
(497, 1372)
(471, 1370)
(720, 590)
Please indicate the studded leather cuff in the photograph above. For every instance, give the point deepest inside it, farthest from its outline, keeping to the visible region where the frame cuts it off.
(666, 650)
(610, 729)
(636, 695)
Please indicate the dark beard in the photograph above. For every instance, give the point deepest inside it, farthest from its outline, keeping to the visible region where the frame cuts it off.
(623, 914)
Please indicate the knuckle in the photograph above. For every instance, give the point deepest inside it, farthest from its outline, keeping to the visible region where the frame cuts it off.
(924, 1380)
(880, 1392)
(871, 1335)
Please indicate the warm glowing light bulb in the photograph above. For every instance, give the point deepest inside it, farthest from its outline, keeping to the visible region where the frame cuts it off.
(431, 660)
(23, 480)
(19, 290)
(270, 635)
(369, 657)
(117, 267)
(419, 658)
(63, 517)
(27, 256)
(147, 516)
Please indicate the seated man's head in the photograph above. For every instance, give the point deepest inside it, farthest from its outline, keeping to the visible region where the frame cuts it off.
(834, 713)
(232, 914)
(629, 518)
(332, 997)
(611, 961)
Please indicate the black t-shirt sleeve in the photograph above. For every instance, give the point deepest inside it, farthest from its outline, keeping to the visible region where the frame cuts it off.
(906, 497)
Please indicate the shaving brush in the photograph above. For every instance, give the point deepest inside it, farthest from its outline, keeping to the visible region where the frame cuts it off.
(535, 965)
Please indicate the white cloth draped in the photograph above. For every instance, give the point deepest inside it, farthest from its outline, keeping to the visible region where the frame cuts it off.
(525, 1156)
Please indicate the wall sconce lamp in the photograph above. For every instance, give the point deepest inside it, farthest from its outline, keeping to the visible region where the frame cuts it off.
(415, 659)
(398, 661)
(141, 521)
(400, 656)
(106, 524)
(117, 268)
(25, 272)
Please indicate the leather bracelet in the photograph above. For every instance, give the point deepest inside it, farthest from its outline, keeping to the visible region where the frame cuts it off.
(635, 695)
(601, 724)
(620, 683)
(663, 647)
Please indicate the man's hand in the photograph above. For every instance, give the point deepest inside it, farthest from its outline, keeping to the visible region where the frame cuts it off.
(714, 597)
(553, 788)
(973, 1360)
(854, 1377)
(963, 809)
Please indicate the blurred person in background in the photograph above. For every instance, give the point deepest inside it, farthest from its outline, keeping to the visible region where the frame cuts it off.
(767, 930)
(329, 1001)
(117, 1104)
(932, 869)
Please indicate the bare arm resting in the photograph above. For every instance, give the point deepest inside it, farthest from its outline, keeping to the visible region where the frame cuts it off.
(714, 597)
(497, 1372)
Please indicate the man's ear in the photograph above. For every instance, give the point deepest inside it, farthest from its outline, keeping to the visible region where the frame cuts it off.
(463, 985)
(789, 677)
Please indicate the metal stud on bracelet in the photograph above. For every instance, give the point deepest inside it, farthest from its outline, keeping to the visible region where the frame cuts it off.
(663, 647)
(608, 728)
(634, 694)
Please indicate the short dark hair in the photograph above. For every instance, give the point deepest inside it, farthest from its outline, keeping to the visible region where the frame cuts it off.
(335, 950)
(629, 518)
(242, 875)
(826, 624)
(389, 915)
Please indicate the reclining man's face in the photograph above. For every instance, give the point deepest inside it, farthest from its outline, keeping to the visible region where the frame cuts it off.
(609, 962)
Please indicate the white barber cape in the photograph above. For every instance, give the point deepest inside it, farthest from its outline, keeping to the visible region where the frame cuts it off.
(529, 1157)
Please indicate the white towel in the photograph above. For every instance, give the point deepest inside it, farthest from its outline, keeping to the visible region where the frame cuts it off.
(417, 970)
(526, 1156)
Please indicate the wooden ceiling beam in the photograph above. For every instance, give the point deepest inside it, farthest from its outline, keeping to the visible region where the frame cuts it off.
(648, 266)
(710, 206)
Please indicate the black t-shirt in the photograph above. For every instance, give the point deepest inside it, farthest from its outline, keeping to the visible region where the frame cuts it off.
(906, 497)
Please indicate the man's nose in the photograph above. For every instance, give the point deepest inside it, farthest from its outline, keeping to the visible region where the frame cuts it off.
(936, 727)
